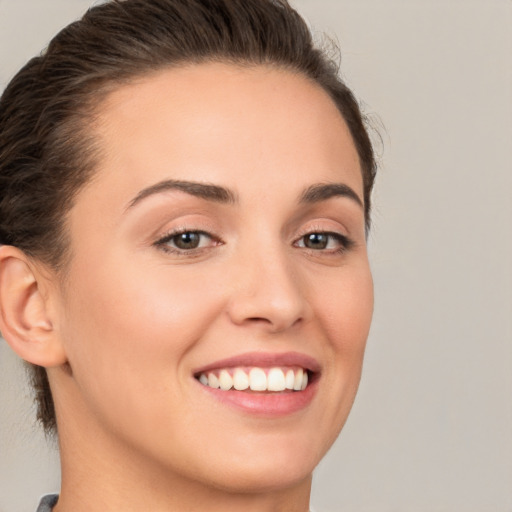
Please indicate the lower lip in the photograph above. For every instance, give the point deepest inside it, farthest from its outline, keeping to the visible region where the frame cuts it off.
(265, 404)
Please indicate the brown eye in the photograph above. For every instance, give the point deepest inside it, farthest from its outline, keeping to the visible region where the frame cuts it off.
(316, 240)
(186, 241)
(189, 240)
(324, 241)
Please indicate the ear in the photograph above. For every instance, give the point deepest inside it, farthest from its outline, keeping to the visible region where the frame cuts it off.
(26, 320)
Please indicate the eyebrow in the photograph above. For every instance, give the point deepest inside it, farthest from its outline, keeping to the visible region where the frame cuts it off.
(313, 194)
(206, 191)
(322, 192)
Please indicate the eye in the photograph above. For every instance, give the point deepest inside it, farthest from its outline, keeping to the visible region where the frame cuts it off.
(184, 241)
(321, 241)
(189, 240)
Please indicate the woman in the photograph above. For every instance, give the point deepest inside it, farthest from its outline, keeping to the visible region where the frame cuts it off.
(184, 204)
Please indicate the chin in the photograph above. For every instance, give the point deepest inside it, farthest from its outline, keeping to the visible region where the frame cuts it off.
(264, 479)
(267, 469)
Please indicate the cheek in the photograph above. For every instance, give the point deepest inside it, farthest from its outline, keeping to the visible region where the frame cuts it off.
(345, 313)
(128, 330)
(345, 308)
(142, 306)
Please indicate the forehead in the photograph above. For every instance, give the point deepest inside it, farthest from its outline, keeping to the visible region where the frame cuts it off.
(226, 124)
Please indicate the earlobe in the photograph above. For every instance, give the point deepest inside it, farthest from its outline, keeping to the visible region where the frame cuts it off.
(25, 318)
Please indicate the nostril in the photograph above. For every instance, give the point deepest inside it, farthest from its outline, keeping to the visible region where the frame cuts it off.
(274, 324)
(259, 319)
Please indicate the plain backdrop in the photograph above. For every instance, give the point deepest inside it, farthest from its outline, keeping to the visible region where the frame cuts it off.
(431, 429)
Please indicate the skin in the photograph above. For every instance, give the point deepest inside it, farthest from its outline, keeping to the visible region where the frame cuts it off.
(132, 321)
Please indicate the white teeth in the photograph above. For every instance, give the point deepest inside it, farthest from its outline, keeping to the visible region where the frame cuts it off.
(297, 384)
(240, 380)
(225, 380)
(304, 381)
(276, 380)
(213, 381)
(289, 379)
(257, 380)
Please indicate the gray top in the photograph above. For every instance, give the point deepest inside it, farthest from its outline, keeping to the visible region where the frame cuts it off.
(47, 503)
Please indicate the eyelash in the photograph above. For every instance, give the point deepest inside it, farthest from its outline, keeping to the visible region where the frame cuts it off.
(163, 242)
(345, 243)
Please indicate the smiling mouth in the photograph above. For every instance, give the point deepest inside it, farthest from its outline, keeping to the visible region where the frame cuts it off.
(257, 379)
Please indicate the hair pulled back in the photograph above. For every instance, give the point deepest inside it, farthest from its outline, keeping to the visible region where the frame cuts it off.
(46, 151)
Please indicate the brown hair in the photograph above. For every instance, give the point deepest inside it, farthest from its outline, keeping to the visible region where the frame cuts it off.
(46, 152)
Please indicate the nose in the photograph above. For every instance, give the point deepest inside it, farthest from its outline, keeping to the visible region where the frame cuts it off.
(267, 292)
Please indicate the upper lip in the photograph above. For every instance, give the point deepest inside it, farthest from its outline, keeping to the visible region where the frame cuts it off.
(264, 360)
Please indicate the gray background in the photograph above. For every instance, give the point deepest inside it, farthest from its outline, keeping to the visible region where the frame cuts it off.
(431, 429)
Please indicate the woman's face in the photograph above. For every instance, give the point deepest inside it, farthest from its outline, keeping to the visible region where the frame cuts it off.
(222, 239)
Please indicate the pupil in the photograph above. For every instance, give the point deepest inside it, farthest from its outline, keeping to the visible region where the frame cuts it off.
(187, 241)
(316, 241)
